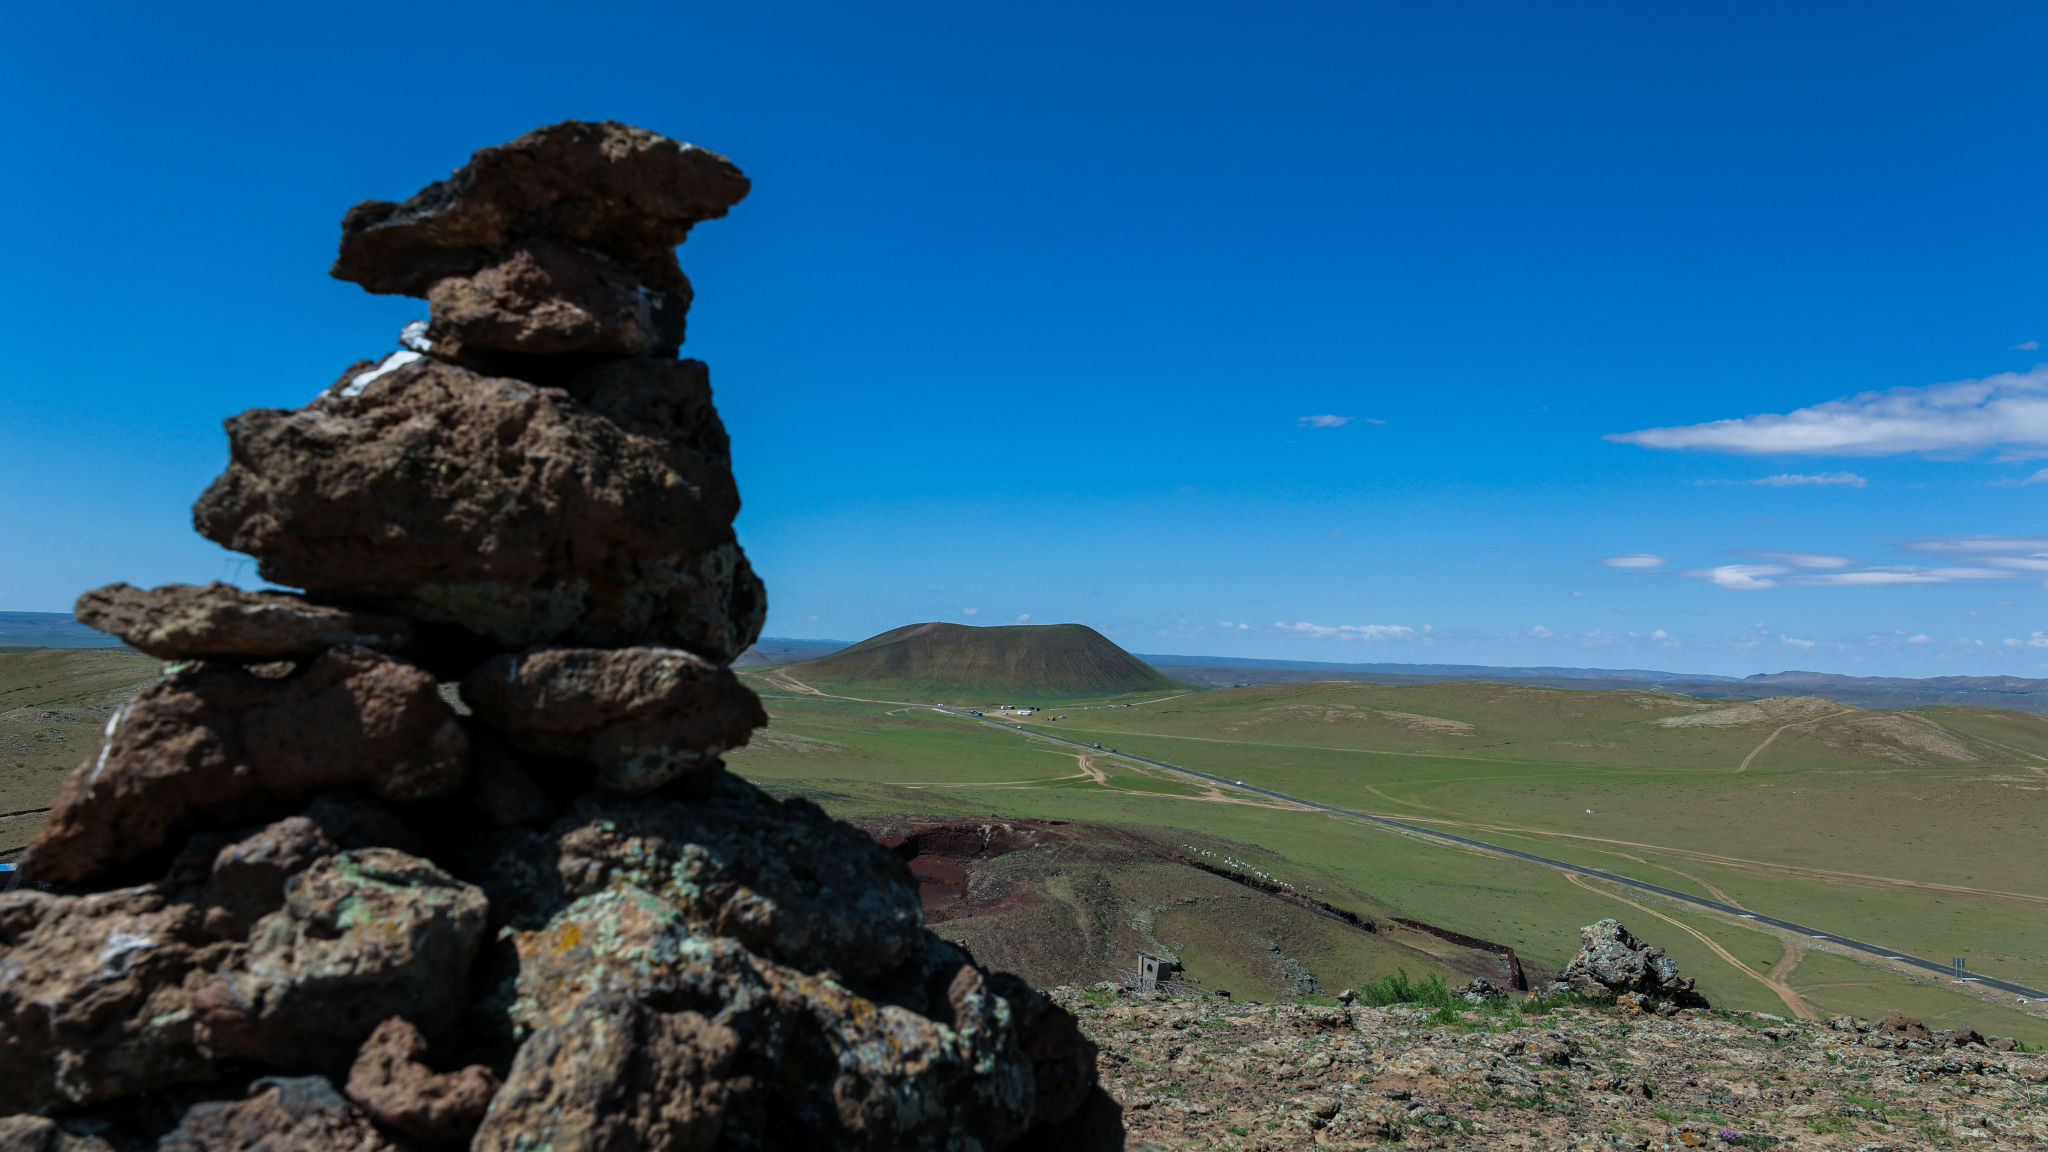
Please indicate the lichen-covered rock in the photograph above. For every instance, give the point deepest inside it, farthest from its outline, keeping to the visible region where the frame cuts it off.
(392, 1083)
(207, 740)
(642, 716)
(628, 1076)
(1611, 962)
(1062, 1059)
(25, 1133)
(820, 1065)
(282, 1114)
(552, 298)
(96, 995)
(789, 881)
(222, 622)
(363, 936)
(238, 881)
(510, 514)
(620, 190)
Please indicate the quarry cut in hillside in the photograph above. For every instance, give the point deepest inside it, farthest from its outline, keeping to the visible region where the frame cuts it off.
(1019, 663)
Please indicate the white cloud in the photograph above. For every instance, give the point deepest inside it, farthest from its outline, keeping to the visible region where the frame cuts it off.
(1742, 577)
(1962, 415)
(1796, 643)
(1370, 420)
(1637, 560)
(1803, 559)
(1350, 631)
(2026, 563)
(1922, 638)
(1660, 634)
(1981, 544)
(1785, 479)
(969, 611)
(1328, 421)
(1024, 619)
(2028, 346)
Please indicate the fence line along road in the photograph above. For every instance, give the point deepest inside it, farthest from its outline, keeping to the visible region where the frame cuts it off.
(1598, 873)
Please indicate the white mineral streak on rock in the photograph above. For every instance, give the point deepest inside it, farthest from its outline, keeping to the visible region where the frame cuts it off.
(414, 336)
(120, 951)
(389, 364)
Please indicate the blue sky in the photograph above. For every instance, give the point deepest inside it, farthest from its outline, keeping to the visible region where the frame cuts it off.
(1356, 332)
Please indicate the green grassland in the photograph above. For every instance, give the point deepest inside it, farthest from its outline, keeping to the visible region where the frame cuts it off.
(53, 704)
(1919, 830)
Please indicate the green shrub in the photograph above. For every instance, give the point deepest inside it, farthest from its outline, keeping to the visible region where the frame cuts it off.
(1399, 989)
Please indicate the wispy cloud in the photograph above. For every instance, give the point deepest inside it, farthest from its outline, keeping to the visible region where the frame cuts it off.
(1980, 544)
(969, 611)
(1804, 559)
(1752, 577)
(1351, 631)
(1328, 421)
(1963, 415)
(1787, 479)
(1633, 560)
(2028, 346)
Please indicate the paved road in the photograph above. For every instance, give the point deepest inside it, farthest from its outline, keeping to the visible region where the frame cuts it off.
(1601, 873)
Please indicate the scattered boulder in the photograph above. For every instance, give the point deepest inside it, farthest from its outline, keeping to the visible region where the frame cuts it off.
(642, 716)
(1610, 962)
(1478, 990)
(96, 995)
(300, 1114)
(364, 935)
(27, 1133)
(391, 1083)
(217, 737)
(1908, 1027)
(620, 190)
(222, 622)
(506, 514)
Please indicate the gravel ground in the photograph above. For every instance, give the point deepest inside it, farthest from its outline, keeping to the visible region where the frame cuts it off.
(1204, 1073)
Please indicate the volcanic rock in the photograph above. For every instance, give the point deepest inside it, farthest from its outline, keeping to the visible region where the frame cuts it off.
(552, 298)
(512, 514)
(39, 1134)
(96, 995)
(363, 936)
(1062, 1059)
(211, 739)
(246, 878)
(611, 187)
(222, 622)
(1610, 962)
(627, 1076)
(643, 716)
(1910, 1027)
(282, 1114)
(782, 877)
(392, 1084)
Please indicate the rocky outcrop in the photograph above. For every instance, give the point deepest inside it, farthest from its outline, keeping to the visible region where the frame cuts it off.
(643, 716)
(1611, 963)
(554, 921)
(222, 622)
(219, 737)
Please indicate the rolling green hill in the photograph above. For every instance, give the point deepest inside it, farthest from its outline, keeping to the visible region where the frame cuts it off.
(1016, 664)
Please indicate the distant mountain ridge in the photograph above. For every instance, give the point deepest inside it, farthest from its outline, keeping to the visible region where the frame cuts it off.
(1429, 669)
(50, 630)
(1931, 683)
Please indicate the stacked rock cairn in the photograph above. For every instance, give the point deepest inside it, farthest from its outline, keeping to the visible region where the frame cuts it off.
(298, 900)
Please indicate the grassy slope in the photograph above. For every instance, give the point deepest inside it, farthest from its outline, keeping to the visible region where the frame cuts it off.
(53, 703)
(1775, 835)
(1020, 664)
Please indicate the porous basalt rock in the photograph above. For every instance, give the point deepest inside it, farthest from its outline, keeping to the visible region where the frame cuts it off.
(392, 1083)
(620, 190)
(242, 880)
(96, 995)
(208, 740)
(551, 298)
(1611, 962)
(222, 622)
(282, 1114)
(781, 876)
(642, 716)
(512, 514)
(363, 936)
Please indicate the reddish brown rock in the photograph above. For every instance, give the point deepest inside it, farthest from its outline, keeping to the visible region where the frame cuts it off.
(611, 187)
(282, 1114)
(627, 1077)
(552, 298)
(643, 716)
(206, 740)
(96, 995)
(395, 1087)
(511, 513)
(222, 622)
(1910, 1027)
(363, 936)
